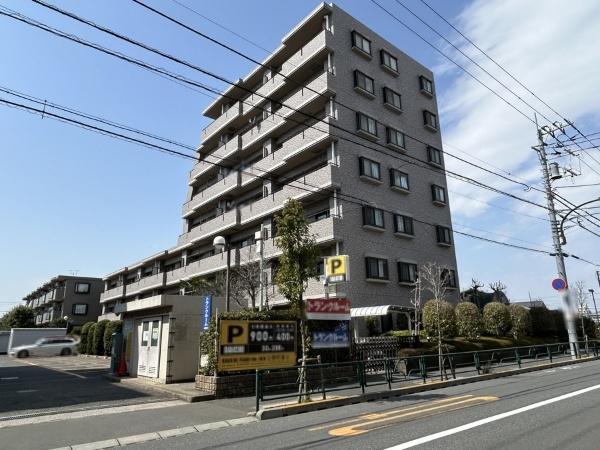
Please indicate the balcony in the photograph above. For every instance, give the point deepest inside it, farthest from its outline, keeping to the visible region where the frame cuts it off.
(112, 294)
(216, 225)
(313, 48)
(223, 152)
(311, 183)
(146, 283)
(202, 267)
(222, 121)
(293, 102)
(221, 187)
(303, 141)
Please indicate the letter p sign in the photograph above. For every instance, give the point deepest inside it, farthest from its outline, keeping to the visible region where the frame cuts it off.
(336, 269)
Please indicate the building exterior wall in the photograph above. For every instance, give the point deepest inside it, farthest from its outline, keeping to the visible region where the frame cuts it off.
(260, 150)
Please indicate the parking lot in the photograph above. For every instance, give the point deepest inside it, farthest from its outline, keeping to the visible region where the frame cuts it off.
(33, 386)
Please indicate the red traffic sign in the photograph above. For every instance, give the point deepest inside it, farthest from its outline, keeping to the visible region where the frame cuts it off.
(328, 309)
(559, 284)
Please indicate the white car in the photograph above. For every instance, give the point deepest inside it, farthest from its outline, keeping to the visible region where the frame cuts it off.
(49, 346)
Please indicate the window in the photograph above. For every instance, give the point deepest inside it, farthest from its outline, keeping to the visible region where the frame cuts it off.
(430, 120)
(373, 217)
(377, 268)
(370, 168)
(321, 267)
(426, 85)
(82, 288)
(366, 124)
(434, 156)
(364, 82)
(438, 194)
(399, 179)
(361, 43)
(403, 224)
(322, 215)
(80, 309)
(444, 236)
(388, 61)
(449, 278)
(392, 98)
(395, 137)
(407, 272)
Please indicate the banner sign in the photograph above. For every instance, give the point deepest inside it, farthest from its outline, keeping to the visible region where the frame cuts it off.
(254, 344)
(207, 301)
(328, 309)
(338, 337)
(336, 269)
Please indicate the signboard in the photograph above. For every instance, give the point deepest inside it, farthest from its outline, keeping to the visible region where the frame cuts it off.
(254, 344)
(328, 309)
(336, 269)
(559, 284)
(207, 301)
(338, 337)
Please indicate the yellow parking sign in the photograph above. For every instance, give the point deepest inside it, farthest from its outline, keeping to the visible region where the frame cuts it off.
(336, 268)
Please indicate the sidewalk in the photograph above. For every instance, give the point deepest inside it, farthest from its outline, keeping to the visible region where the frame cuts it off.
(183, 391)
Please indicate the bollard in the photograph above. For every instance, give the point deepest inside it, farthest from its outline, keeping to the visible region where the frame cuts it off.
(257, 389)
(423, 368)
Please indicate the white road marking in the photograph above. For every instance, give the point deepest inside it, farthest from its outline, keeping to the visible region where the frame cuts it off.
(8, 378)
(26, 391)
(90, 413)
(478, 423)
(55, 369)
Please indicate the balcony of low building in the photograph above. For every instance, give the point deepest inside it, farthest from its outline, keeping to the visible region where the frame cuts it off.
(112, 293)
(218, 187)
(211, 223)
(211, 161)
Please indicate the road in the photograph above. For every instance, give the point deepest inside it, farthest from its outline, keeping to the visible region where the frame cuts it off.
(551, 409)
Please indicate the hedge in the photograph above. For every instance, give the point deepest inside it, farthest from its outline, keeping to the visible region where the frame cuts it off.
(520, 320)
(468, 320)
(83, 341)
(89, 346)
(496, 319)
(447, 320)
(114, 326)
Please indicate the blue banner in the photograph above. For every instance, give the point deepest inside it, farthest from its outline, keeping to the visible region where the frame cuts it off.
(337, 337)
(207, 301)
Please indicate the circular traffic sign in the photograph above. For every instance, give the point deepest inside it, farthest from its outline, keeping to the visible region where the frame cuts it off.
(559, 284)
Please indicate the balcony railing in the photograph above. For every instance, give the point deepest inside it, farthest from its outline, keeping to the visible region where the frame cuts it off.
(313, 182)
(222, 121)
(221, 187)
(216, 225)
(301, 142)
(293, 102)
(151, 282)
(203, 266)
(110, 294)
(210, 160)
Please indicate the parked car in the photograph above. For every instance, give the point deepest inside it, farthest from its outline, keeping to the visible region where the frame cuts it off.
(48, 346)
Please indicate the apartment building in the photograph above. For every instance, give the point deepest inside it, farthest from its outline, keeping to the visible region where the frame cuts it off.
(76, 297)
(326, 119)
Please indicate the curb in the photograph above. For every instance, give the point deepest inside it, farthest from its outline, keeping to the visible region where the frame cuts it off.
(275, 412)
(83, 355)
(159, 435)
(190, 398)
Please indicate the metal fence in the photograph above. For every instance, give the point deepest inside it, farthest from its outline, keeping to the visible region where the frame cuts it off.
(397, 371)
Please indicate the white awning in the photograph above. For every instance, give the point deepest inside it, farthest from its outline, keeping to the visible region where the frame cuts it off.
(382, 310)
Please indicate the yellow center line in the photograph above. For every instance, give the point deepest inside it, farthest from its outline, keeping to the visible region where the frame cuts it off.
(353, 431)
(374, 416)
(56, 370)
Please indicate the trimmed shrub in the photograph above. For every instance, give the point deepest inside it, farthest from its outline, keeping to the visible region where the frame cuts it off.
(468, 320)
(496, 319)
(98, 340)
(83, 341)
(113, 326)
(89, 347)
(520, 321)
(447, 320)
(546, 323)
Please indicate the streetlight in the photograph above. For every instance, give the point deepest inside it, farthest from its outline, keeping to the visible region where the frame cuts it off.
(66, 318)
(591, 291)
(221, 244)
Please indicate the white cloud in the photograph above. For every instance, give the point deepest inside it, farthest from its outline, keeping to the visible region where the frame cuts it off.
(553, 50)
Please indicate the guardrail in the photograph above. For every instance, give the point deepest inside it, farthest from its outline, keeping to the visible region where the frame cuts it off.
(324, 378)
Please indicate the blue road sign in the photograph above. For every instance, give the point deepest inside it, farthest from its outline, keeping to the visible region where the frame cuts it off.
(559, 284)
(207, 301)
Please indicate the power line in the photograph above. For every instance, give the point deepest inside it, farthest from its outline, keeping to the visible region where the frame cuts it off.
(423, 165)
(577, 186)
(362, 202)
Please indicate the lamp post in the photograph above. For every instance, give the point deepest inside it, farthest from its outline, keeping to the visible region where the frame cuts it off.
(591, 291)
(67, 320)
(259, 237)
(221, 244)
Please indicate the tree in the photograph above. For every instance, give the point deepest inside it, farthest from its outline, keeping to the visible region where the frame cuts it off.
(114, 326)
(416, 302)
(498, 294)
(85, 337)
(89, 347)
(18, 317)
(297, 265)
(468, 320)
(579, 296)
(520, 321)
(439, 319)
(496, 319)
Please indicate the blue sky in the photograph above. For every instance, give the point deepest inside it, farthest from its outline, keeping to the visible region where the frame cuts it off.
(75, 200)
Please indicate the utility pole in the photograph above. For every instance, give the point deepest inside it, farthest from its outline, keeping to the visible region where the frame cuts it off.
(560, 261)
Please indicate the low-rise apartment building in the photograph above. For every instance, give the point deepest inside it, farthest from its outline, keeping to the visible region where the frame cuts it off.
(75, 297)
(340, 119)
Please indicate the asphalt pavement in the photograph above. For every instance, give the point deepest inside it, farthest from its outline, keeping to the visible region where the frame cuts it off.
(550, 409)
